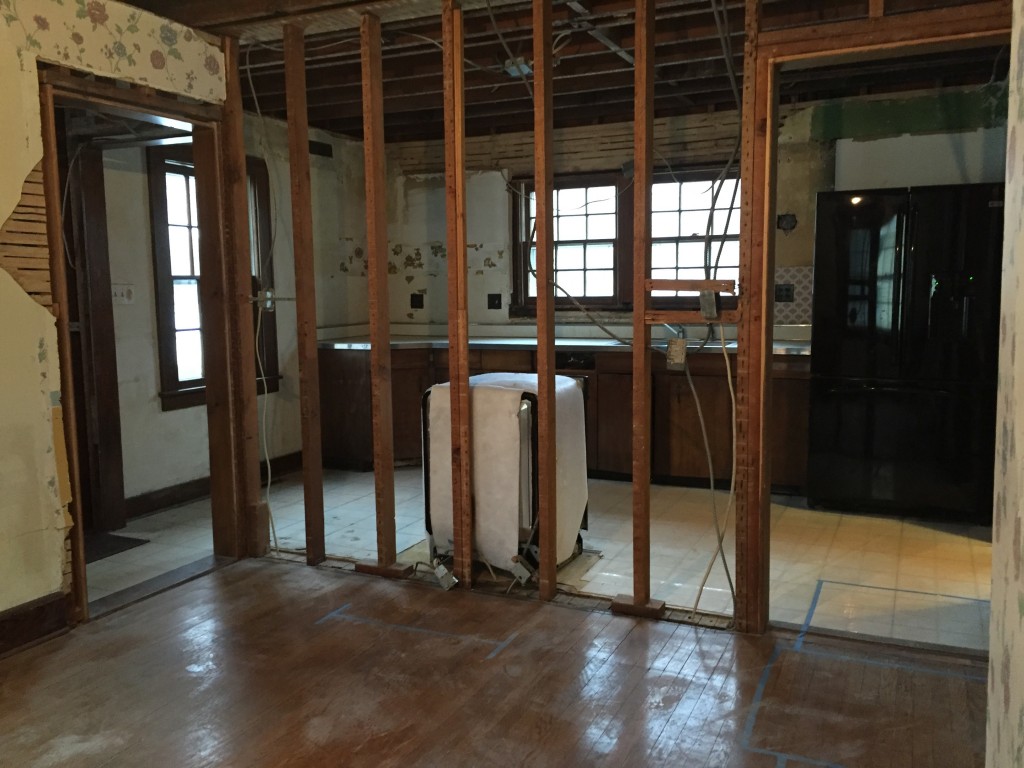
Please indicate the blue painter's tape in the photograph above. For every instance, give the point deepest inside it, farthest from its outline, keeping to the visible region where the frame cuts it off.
(339, 613)
(810, 615)
(333, 614)
(891, 665)
(502, 645)
(908, 591)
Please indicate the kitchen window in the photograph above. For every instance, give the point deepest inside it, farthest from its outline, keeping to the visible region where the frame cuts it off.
(176, 232)
(683, 247)
(592, 218)
(592, 228)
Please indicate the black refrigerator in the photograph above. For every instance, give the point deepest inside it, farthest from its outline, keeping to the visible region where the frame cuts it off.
(904, 351)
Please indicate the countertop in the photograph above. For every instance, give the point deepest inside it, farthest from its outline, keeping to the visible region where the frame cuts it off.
(565, 344)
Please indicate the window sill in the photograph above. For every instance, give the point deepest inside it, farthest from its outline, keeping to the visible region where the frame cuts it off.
(192, 397)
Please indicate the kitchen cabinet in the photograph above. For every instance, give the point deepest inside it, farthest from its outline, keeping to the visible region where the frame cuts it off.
(345, 415)
(677, 445)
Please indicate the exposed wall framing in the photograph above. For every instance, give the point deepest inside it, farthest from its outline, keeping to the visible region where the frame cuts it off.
(305, 292)
(458, 273)
(543, 118)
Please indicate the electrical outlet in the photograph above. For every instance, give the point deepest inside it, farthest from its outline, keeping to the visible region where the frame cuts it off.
(494, 301)
(784, 293)
(416, 301)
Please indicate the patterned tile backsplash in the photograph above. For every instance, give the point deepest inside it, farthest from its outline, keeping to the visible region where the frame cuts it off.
(797, 311)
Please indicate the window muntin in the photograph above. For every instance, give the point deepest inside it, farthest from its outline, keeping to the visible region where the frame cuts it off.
(585, 228)
(682, 247)
(183, 250)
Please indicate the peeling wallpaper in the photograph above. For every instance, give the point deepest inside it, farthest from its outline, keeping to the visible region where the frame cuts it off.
(99, 36)
(1005, 746)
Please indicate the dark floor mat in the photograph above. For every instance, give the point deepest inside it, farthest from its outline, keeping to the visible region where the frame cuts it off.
(99, 544)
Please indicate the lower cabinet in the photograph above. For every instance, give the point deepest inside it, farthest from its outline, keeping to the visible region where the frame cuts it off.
(345, 405)
(677, 445)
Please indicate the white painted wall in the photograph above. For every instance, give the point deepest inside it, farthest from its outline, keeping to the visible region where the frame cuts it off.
(921, 160)
(160, 448)
(339, 225)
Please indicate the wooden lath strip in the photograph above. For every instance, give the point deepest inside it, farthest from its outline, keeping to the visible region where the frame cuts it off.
(24, 249)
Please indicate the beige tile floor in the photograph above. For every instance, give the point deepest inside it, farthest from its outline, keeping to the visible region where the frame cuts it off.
(862, 574)
(177, 536)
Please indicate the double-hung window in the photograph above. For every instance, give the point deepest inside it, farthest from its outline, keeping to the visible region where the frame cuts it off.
(591, 228)
(592, 218)
(687, 242)
(174, 217)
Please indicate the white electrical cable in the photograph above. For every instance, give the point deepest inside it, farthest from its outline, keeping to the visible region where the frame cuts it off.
(264, 264)
(719, 525)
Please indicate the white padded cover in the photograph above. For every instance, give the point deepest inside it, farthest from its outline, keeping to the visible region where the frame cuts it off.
(496, 443)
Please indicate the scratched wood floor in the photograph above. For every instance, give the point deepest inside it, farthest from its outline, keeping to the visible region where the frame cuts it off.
(273, 664)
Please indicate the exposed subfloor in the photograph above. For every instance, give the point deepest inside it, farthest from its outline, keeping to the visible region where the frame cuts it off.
(266, 663)
(867, 575)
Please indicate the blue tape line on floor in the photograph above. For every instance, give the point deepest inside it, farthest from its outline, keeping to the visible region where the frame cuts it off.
(908, 591)
(781, 758)
(888, 664)
(810, 615)
(339, 613)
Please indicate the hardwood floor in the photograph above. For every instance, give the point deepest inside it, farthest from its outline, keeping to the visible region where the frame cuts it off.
(266, 663)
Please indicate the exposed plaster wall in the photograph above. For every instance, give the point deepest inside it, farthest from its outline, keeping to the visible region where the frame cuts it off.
(418, 256)
(967, 157)
(1005, 745)
(111, 39)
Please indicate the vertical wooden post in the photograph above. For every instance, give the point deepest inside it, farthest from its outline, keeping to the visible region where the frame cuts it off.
(544, 185)
(458, 315)
(246, 520)
(753, 471)
(305, 290)
(59, 292)
(377, 253)
(643, 164)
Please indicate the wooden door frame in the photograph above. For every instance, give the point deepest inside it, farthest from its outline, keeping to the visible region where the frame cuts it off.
(86, 225)
(766, 54)
(239, 520)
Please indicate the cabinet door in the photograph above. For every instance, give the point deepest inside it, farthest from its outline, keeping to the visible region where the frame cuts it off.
(345, 425)
(788, 425)
(615, 422)
(411, 375)
(678, 442)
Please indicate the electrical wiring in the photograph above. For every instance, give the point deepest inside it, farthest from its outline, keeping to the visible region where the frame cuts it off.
(263, 266)
(719, 524)
(64, 202)
(470, 62)
(504, 44)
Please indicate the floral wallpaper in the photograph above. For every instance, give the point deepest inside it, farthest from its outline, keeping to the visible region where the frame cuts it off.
(116, 40)
(1006, 652)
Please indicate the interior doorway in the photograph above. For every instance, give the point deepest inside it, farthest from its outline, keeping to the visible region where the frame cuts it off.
(131, 232)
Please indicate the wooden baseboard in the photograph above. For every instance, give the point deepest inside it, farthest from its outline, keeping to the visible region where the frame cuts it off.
(153, 501)
(29, 623)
